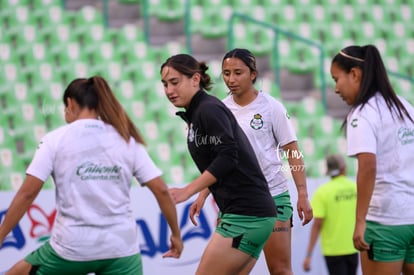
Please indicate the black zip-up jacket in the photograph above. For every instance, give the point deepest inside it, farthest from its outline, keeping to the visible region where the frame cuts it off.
(218, 144)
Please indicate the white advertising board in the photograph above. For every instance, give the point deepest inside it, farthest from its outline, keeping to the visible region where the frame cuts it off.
(36, 225)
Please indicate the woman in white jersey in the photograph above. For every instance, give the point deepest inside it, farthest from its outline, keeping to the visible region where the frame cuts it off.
(266, 123)
(92, 160)
(380, 134)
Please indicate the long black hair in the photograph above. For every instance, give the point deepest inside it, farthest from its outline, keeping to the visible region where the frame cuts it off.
(374, 77)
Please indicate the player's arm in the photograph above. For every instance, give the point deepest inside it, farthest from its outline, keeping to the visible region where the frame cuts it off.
(19, 205)
(202, 182)
(365, 187)
(297, 168)
(316, 228)
(167, 206)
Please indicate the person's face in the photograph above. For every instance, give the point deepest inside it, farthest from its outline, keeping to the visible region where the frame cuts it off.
(347, 84)
(237, 76)
(179, 88)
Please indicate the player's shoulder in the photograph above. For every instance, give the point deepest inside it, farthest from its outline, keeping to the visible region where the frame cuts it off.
(271, 101)
(57, 132)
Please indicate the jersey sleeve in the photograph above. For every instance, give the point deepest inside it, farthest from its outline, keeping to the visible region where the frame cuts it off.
(360, 134)
(41, 165)
(144, 167)
(283, 130)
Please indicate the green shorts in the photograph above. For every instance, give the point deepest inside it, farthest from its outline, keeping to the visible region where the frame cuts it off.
(46, 261)
(390, 243)
(284, 207)
(249, 233)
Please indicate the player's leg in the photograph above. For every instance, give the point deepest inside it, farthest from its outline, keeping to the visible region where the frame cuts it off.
(408, 267)
(236, 244)
(220, 257)
(389, 248)
(373, 267)
(336, 265)
(352, 263)
(22, 267)
(278, 247)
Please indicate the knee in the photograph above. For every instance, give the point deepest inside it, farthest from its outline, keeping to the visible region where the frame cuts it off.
(280, 271)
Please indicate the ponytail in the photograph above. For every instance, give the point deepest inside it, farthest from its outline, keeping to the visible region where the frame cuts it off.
(205, 80)
(377, 80)
(111, 111)
(95, 93)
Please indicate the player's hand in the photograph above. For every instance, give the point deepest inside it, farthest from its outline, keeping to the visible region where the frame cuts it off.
(307, 264)
(305, 211)
(358, 238)
(176, 248)
(195, 209)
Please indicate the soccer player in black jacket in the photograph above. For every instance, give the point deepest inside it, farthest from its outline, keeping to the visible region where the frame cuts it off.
(229, 170)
